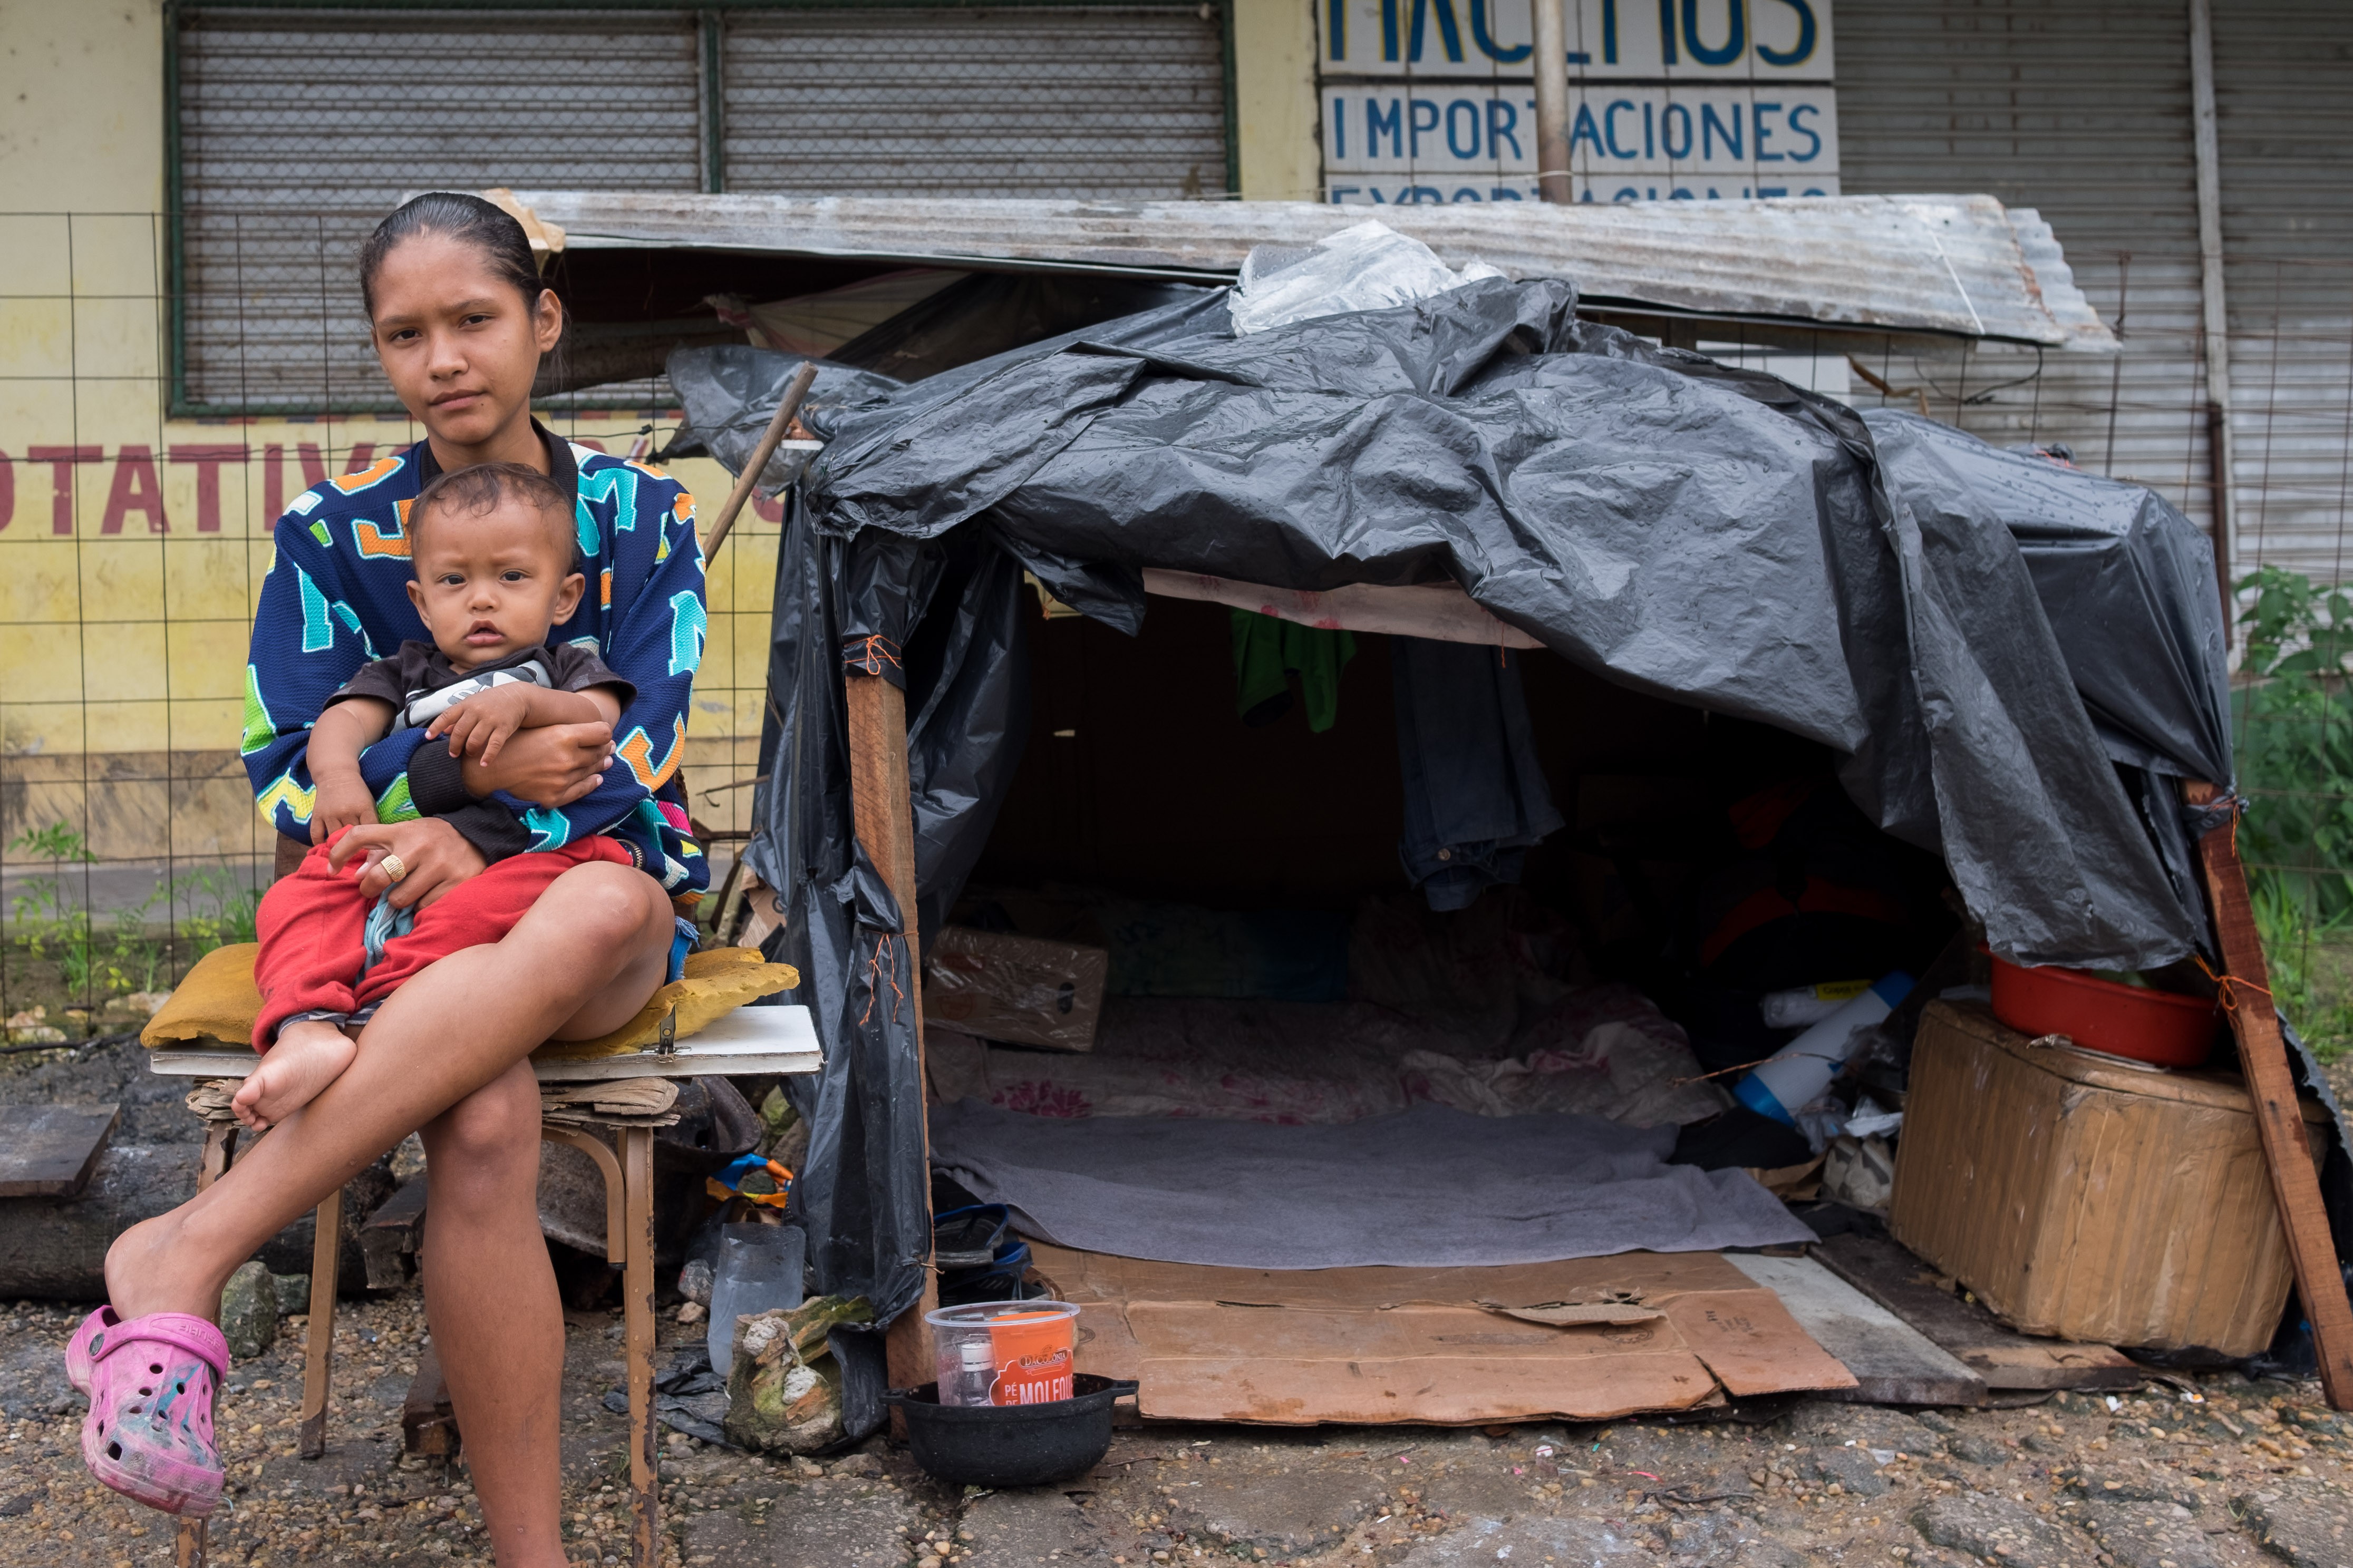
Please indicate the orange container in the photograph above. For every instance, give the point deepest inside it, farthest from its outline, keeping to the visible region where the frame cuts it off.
(2105, 1015)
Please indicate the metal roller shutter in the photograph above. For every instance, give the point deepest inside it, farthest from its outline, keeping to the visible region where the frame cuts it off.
(2284, 120)
(298, 130)
(2080, 111)
(1102, 102)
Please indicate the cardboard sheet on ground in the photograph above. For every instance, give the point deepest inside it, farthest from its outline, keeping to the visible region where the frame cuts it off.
(1295, 1348)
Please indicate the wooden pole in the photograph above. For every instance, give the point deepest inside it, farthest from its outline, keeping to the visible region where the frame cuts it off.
(883, 812)
(769, 440)
(190, 1538)
(638, 1318)
(2263, 1056)
(319, 1344)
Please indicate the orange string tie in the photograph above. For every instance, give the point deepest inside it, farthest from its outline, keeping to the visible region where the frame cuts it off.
(874, 651)
(2226, 986)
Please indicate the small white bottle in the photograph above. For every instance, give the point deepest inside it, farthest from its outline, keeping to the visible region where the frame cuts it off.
(1796, 1074)
(975, 1377)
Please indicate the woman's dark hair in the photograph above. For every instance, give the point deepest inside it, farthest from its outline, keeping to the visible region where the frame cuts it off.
(504, 247)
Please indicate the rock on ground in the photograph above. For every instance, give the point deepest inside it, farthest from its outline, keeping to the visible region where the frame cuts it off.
(2307, 1530)
(1571, 1542)
(2149, 1534)
(863, 1527)
(1988, 1526)
(1022, 1529)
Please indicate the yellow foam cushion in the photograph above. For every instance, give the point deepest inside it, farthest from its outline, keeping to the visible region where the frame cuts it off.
(716, 983)
(217, 1003)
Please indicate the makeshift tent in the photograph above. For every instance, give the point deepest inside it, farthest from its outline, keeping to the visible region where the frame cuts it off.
(2018, 663)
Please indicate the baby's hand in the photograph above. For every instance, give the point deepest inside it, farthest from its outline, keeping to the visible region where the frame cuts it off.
(339, 803)
(481, 724)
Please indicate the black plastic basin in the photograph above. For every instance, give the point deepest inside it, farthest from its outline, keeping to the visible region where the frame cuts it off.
(1011, 1444)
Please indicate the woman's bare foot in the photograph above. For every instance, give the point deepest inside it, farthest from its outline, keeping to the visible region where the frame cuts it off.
(308, 1057)
(147, 1270)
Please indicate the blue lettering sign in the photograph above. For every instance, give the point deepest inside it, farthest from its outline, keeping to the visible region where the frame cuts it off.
(1609, 128)
(1673, 114)
(1814, 142)
(1480, 35)
(1710, 128)
(1448, 34)
(1460, 110)
(1808, 33)
(1736, 41)
(1503, 125)
(1416, 126)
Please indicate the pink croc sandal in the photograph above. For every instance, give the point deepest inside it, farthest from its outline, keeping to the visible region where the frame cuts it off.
(152, 1382)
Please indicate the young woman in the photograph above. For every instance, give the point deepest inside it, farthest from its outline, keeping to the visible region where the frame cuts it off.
(460, 323)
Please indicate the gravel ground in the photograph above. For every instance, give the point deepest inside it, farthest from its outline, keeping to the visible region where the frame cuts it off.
(2255, 1469)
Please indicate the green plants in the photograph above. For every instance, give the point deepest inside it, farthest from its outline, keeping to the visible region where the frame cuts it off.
(217, 908)
(2293, 715)
(91, 960)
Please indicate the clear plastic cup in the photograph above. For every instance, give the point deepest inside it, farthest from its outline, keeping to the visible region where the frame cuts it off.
(1004, 1353)
(760, 1270)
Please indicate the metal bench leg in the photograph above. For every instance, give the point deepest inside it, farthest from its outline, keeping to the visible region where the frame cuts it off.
(319, 1352)
(638, 1292)
(188, 1540)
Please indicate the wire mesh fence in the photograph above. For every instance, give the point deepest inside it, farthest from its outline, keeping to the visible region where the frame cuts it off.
(132, 548)
(133, 542)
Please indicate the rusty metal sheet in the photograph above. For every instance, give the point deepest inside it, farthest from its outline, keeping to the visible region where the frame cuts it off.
(1954, 265)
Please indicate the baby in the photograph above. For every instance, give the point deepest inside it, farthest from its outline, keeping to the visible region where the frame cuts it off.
(494, 554)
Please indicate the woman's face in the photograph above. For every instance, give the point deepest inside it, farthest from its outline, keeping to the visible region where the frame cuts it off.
(460, 344)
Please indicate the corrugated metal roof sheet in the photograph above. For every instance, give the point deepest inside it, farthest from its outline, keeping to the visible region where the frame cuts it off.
(1954, 265)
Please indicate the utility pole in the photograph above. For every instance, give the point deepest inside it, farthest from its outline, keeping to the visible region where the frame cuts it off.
(1550, 58)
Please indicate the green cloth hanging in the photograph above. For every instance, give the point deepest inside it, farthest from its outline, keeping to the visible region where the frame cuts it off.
(1268, 650)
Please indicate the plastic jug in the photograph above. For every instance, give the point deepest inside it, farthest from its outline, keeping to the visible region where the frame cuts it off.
(1796, 1074)
(760, 1270)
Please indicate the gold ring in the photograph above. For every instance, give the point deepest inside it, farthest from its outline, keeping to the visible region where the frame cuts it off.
(394, 867)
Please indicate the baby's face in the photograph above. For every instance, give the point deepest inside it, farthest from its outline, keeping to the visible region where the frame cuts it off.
(492, 584)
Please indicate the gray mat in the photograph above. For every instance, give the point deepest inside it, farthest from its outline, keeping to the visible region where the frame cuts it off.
(1429, 1187)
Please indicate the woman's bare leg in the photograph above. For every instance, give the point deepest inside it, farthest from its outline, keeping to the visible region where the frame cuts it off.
(587, 954)
(497, 1323)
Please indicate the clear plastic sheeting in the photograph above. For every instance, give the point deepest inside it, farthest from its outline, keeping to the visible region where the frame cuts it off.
(1367, 268)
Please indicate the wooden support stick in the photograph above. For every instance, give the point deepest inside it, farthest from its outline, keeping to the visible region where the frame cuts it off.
(638, 1316)
(319, 1349)
(769, 440)
(883, 814)
(190, 1545)
(2262, 1054)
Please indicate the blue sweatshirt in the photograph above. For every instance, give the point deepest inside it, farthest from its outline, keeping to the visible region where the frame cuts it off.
(337, 596)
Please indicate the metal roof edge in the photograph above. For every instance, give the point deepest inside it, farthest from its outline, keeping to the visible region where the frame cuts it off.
(1950, 265)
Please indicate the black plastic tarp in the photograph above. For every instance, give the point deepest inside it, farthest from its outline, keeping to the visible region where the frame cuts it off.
(2013, 658)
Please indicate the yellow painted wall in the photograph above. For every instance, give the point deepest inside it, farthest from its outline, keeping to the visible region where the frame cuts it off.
(127, 578)
(1275, 101)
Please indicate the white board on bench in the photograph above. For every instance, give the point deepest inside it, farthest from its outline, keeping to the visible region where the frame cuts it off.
(748, 1040)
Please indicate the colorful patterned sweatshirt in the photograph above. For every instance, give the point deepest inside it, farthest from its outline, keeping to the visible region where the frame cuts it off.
(337, 596)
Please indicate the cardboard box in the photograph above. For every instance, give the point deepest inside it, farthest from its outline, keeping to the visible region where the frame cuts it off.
(1018, 989)
(2083, 1197)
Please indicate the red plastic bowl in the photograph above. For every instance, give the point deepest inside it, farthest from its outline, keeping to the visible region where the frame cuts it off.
(2105, 1015)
